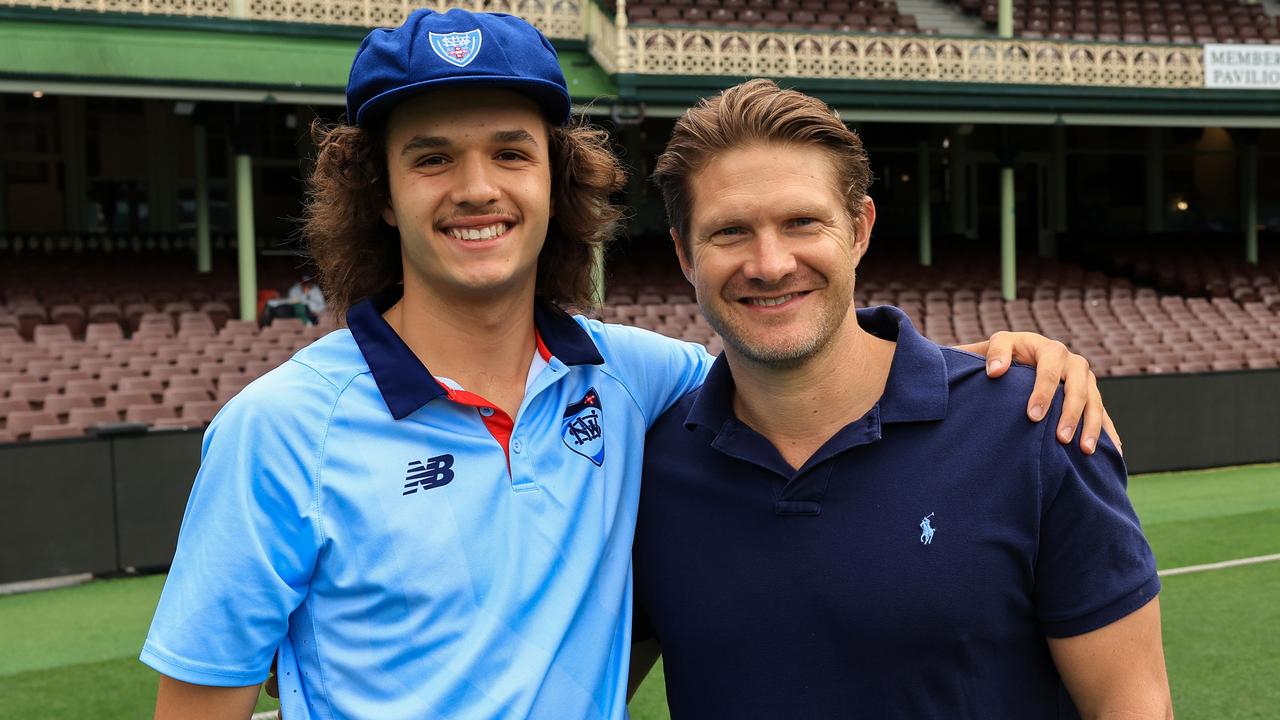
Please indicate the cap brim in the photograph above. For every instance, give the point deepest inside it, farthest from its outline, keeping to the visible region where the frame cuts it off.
(551, 98)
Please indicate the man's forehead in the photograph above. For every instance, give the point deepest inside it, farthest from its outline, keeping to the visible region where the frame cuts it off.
(762, 177)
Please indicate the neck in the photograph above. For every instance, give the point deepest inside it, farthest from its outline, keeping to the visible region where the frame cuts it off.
(483, 344)
(799, 408)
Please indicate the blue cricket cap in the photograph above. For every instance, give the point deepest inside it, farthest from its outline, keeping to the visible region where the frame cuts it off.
(434, 51)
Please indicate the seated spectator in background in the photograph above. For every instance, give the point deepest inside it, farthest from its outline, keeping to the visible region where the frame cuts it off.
(847, 520)
(307, 293)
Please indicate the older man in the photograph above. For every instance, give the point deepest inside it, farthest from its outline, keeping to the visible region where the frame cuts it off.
(848, 520)
(429, 513)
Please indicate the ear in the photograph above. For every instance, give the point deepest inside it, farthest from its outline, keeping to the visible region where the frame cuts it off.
(862, 228)
(389, 214)
(686, 266)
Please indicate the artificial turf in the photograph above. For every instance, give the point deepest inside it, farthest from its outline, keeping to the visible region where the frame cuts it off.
(72, 653)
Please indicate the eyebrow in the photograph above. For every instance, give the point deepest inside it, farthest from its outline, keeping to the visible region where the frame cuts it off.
(435, 142)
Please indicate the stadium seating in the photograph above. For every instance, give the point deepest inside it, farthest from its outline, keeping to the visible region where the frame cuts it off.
(1123, 328)
(819, 15)
(1156, 21)
(54, 385)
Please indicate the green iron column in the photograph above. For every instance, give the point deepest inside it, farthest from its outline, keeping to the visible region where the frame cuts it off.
(1008, 226)
(1005, 19)
(1250, 193)
(204, 252)
(246, 240)
(923, 190)
(245, 134)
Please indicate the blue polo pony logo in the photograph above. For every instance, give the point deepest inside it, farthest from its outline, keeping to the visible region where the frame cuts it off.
(457, 48)
(926, 530)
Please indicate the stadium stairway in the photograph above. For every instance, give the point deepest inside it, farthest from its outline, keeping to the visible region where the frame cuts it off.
(946, 19)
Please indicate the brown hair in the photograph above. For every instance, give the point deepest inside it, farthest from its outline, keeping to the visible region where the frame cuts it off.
(357, 254)
(756, 111)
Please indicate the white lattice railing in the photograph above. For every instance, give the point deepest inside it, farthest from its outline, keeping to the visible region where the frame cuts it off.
(698, 51)
(648, 50)
(556, 18)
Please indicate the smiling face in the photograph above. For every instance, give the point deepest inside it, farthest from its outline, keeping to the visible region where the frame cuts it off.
(772, 250)
(470, 188)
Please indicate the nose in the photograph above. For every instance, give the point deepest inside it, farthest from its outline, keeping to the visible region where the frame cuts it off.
(771, 258)
(474, 183)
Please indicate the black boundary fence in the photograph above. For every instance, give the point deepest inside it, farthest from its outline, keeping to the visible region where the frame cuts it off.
(105, 504)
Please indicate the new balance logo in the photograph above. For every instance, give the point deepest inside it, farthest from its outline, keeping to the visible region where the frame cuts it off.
(436, 473)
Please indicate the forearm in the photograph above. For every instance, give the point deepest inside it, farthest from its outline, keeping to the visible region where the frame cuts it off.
(177, 700)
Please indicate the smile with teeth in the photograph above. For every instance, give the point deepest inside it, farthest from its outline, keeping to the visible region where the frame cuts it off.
(481, 233)
(770, 302)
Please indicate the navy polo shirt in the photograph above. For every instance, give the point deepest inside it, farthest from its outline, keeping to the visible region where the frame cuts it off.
(911, 568)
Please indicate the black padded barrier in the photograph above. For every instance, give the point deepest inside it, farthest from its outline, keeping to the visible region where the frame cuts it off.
(56, 509)
(109, 503)
(1202, 420)
(153, 477)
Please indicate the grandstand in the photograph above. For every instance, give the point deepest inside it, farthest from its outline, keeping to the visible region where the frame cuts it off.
(1086, 169)
(1094, 170)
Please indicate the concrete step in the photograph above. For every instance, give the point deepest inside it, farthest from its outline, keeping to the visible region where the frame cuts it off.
(947, 19)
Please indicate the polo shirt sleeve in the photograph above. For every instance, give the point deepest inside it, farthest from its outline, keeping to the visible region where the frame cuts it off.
(656, 370)
(249, 538)
(1094, 565)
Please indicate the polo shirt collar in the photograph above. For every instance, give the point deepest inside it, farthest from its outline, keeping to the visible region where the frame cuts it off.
(915, 391)
(406, 384)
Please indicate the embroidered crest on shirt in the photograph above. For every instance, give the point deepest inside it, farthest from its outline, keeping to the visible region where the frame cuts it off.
(456, 48)
(926, 530)
(582, 428)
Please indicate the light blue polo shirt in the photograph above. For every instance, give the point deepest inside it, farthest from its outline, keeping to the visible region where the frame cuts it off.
(367, 521)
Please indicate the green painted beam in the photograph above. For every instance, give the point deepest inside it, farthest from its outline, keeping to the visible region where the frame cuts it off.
(967, 102)
(226, 56)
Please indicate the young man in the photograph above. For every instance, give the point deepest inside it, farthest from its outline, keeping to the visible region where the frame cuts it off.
(430, 513)
(847, 520)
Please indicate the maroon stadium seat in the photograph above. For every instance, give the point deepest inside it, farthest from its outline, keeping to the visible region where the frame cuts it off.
(56, 432)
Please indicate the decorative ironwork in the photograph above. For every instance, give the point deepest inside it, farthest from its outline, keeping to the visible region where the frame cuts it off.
(650, 50)
(556, 18)
(748, 53)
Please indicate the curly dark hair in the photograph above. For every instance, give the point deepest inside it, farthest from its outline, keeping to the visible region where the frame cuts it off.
(357, 254)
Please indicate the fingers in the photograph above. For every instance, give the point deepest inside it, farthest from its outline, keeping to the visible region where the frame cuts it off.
(1052, 366)
(1091, 423)
(1075, 395)
(999, 352)
(1112, 433)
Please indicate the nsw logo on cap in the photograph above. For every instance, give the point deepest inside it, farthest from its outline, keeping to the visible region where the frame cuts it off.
(458, 48)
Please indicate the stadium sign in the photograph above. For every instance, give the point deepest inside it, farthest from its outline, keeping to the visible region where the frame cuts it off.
(1242, 67)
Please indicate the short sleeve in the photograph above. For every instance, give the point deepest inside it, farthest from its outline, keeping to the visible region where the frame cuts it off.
(1094, 565)
(656, 369)
(249, 537)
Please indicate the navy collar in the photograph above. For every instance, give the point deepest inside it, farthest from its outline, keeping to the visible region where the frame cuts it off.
(915, 391)
(406, 384)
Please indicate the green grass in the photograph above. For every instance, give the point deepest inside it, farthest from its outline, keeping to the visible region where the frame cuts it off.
(72, 653)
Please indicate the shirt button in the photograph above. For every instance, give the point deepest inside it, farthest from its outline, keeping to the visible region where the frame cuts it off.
(516, 446)
(486, 411)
